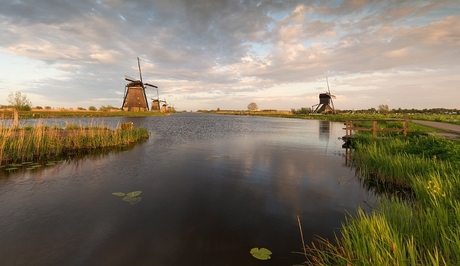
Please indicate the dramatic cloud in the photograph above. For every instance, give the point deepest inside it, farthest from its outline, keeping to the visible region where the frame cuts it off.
(208, 54)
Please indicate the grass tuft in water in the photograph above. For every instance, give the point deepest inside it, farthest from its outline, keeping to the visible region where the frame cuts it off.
(41, 142)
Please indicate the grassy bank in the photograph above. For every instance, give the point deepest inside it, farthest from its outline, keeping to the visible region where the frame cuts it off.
(445, 118)
(38, 142)
(422, 228)
(8, 114)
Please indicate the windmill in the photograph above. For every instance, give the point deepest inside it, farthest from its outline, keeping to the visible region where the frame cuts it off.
(156, 103)
(325, 105)
(135, 98)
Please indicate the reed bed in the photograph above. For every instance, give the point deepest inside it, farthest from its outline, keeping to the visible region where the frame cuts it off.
(421, 230)
(41, 141)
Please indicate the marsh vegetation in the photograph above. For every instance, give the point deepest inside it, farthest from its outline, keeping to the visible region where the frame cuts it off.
(420, 227)
(21, 144)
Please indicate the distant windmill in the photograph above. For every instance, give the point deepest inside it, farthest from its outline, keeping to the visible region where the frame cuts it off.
(325, 105)
(156, 103)
(135, 98)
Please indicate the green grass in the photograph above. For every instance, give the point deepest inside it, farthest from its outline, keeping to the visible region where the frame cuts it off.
(423, 229)
(39, 142)
(76, 114)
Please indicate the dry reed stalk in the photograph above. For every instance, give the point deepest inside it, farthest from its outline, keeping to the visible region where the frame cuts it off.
(301, 236)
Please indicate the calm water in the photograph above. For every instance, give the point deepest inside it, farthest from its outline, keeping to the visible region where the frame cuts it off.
(213, 187)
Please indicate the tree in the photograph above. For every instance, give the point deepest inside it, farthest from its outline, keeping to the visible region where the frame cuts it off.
(19, 101)
(92, 108)
(252, 106)
(384, 109)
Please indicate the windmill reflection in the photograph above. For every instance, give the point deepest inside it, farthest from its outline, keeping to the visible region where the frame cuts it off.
(324, 129)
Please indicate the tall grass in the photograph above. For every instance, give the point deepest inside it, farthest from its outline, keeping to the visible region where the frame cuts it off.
(40, 141)
(421, 230)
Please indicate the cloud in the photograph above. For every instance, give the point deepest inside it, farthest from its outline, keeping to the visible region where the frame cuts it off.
(229, 48)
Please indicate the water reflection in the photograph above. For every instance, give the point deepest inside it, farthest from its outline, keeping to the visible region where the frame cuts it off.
(213, 187)
(324, 127)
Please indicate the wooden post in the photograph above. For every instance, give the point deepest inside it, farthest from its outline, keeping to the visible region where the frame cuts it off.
(374, 128)
(405, 126)
(15, 117)
(346, 128)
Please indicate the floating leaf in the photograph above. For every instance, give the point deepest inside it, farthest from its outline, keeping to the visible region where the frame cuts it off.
(132, 199)
(11, 168)
(134, 193)
(15, 165)
(120, 194)
(50, 164)
(261, 254)
(138, 199)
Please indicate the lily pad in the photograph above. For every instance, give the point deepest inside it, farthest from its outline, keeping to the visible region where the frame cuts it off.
(261, 254)
(11, 168)
(134, 193)
(120, 194)
(138, 199)
(132, 199)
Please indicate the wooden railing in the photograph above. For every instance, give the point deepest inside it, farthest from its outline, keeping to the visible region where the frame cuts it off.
(350, 127)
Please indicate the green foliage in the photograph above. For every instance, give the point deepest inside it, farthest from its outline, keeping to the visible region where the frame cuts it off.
(253, 106)
(19, 101)
(108, 108)
(421, 230)
(301, 111)
(261, 254)
(92, 108)
(41, 142)
(384, 109)
(131, 197)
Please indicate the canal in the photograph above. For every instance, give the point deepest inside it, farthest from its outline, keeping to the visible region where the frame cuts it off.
(207, 189)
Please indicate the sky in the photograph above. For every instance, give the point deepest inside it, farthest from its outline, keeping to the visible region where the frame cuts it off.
(225, 54)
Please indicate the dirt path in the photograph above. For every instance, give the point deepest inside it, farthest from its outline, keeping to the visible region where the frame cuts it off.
(453, 129)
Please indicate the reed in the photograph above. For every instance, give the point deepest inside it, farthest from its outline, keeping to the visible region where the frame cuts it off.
(40, 141)
(421, 230)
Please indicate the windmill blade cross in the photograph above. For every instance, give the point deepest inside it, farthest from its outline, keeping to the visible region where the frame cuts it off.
(128, 78)
(148, 84)
(139, 65)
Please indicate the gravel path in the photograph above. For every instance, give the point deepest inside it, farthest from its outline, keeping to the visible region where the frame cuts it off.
(454, 129)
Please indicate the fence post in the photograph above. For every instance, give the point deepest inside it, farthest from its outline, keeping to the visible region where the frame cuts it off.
(405, 126)
(15, 117)
(374, 128)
